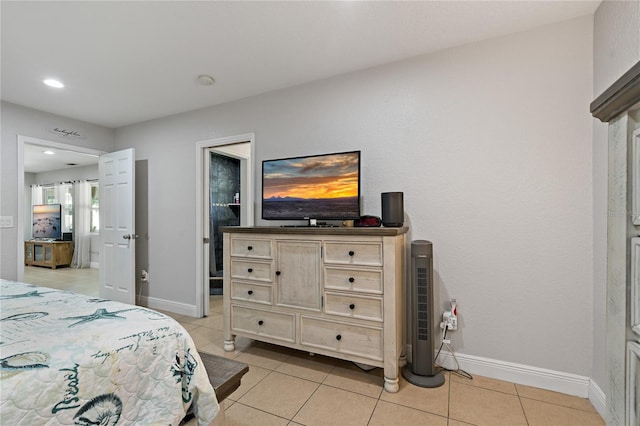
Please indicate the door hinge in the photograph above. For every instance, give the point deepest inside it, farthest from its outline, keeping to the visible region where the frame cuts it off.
(322, 301)
(205, 240)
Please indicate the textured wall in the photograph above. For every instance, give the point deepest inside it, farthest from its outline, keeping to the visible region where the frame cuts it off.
(491, 145)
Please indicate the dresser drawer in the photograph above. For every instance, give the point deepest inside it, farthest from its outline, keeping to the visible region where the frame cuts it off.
(251, 247)
(356, 253)
(347, 305)
(251, 292)
(250, 270)
(362, 280)
(275, 325)
(344, 338)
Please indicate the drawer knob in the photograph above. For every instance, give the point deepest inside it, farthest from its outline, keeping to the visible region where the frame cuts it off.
(351, 252)
(250, 292)
(250, 270)
(260, 322)
(338, 337)
(278, 272)
(250, 248)
(352, 306)
(351, 279)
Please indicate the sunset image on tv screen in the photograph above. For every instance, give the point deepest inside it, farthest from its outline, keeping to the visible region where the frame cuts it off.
(322, 186)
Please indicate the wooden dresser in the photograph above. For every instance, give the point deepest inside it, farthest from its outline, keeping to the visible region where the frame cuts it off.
(332, 291)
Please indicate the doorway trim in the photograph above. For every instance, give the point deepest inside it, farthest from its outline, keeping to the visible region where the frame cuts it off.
(22, 140)
(202, 149)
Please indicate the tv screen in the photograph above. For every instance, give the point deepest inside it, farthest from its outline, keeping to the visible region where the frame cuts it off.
(47, 221)
(312, 187)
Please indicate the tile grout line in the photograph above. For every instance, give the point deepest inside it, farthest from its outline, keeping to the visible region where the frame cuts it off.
(524, 413)
(262, 411)
(305, 402)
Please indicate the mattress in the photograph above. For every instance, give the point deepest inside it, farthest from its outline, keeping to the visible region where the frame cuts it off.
(71, 359)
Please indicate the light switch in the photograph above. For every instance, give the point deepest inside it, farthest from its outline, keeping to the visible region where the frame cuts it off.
(6, 221)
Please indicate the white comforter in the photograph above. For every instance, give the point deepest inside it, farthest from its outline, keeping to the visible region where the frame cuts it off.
(70, 359)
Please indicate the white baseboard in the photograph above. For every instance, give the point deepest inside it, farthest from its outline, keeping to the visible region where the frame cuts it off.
(167, 305)
(598, 400)
(557, 381)
(94, 265)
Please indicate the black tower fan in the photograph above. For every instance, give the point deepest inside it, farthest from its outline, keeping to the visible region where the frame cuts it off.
(421, 317)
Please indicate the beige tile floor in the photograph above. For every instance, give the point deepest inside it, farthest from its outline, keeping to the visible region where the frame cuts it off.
(289, 387)
(84, 281)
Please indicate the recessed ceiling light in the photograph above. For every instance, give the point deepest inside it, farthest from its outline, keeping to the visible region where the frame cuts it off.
(205, 80)
(53, 83)
(48, 152)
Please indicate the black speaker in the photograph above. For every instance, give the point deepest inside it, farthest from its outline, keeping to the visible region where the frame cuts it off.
(67, 236)
(392, 209)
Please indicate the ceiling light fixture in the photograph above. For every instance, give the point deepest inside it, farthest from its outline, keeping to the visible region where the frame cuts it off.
(48, 152)
(53, 83)
(205, 80)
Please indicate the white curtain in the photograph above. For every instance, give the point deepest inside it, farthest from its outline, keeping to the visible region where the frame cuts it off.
(81, 224)
(36, 194)
(36, 198)
(60, 193)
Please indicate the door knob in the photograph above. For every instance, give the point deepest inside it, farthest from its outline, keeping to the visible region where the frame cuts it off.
(130, 236)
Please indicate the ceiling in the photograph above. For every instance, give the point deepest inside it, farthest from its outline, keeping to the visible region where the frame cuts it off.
(36, 161)
(124, 62)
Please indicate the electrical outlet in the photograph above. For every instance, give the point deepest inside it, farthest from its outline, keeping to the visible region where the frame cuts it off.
(450, 320)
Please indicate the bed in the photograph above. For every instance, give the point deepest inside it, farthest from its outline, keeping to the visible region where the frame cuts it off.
(71, 359)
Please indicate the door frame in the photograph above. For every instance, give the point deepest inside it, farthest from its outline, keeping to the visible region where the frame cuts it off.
(202, 150)
(22, 140)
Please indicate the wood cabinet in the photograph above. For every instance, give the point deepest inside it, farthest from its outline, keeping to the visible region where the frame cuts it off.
(48, 253)
(332, 291)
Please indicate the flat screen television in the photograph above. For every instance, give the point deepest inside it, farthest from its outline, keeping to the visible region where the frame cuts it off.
(47, 222)
(312, 187)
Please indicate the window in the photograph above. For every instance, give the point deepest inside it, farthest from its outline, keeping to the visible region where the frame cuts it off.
(61, 194)
(95, 208)
(49, 195)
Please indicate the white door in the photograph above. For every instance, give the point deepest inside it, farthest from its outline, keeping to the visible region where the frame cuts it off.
(206, 241)
(117, 226)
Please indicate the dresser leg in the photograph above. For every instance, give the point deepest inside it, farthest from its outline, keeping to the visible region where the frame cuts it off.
(402, 361)
(229, 345)
(391, 385)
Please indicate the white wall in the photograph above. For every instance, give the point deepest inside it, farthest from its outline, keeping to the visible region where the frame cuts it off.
(491, 144)
(616, 48)
(17, 120)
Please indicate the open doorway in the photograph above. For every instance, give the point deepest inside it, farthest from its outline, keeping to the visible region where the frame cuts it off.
(224, 198)
(69, 163)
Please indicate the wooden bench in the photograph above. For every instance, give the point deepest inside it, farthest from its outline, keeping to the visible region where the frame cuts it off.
(224, 375)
